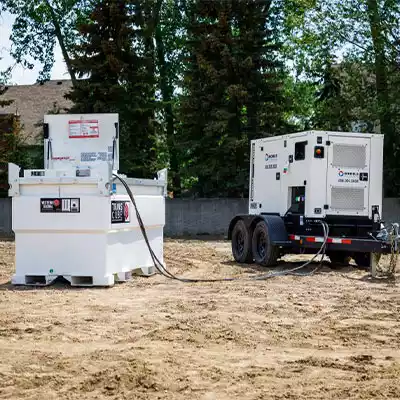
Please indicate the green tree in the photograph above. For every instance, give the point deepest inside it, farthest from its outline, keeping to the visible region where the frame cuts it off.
(170, 18)
(300, 97)
(39, 25)
(379, 35)
(206, 104)
(258, 43)
(118, 78)
(232, 91)
(364, 35)
(12, 149)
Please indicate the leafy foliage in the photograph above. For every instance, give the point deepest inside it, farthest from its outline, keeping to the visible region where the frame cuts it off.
(39, 25)
(195, 80)
(170, 18)
(364, 36)
(115, 77)
(232, 92)
(12, 149)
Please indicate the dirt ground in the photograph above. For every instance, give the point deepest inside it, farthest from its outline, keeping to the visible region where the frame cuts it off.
(333, 335)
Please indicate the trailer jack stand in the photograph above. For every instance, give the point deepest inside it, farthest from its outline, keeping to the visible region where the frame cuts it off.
(375, 257)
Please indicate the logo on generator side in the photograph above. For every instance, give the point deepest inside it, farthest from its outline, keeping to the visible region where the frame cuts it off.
(271, 161)
(271, 157)
(348, 177)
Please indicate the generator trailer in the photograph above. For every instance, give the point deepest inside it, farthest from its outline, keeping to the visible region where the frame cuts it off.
(303, 183)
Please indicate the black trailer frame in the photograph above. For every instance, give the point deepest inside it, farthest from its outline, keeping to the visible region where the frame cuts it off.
(348, 244)
(264, 237)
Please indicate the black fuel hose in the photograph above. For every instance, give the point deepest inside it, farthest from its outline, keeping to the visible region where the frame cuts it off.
(164, 271)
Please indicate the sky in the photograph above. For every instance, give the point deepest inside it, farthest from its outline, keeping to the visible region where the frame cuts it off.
(21, 76)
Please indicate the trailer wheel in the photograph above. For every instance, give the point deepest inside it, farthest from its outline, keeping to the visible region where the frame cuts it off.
(362, 260)
(264, 252)
(241, 243)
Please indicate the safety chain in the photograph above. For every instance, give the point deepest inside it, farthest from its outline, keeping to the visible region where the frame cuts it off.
(394, 249)
(394, 254)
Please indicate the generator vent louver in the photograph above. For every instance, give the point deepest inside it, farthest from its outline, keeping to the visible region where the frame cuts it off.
(349, 156)
(349, 199)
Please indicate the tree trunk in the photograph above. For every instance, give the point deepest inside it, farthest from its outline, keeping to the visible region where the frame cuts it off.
(60, 38)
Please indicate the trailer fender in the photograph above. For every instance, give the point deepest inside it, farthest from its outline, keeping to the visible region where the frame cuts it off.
(275, 224)
(276, 229)
(233, 223)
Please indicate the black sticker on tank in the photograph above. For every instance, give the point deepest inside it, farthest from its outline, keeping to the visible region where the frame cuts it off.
(60, 205)
(120, 212)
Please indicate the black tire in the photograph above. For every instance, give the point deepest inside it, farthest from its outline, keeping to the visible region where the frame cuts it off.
(264, 252)
(241, 243)
(363, 260)
(338, 258)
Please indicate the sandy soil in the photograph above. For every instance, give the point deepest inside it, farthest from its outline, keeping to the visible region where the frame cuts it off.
(332, 335)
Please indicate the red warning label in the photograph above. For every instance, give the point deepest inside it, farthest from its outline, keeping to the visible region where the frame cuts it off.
(82, 129)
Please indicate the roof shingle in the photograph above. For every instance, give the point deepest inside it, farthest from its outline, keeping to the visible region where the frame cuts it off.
(32, 102)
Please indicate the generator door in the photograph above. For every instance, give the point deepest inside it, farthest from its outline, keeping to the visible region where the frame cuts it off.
(348, 175)
(265, 176)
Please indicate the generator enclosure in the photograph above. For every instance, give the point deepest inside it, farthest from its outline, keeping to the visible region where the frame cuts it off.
(317, 174)
(72, 219)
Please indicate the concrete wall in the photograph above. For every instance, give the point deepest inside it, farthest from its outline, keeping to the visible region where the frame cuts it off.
(201, 216)
(212, 216)
(187, 217)
(5, 217)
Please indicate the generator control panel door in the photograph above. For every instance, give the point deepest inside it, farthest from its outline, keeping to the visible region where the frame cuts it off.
(348, 175)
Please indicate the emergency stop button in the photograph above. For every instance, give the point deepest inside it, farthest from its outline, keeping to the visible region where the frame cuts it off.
(319, 151)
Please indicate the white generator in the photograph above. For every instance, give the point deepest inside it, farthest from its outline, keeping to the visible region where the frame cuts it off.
(301, 179)
(73, 219)
(341, 173)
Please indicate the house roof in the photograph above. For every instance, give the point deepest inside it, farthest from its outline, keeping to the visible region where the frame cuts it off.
(32, 102)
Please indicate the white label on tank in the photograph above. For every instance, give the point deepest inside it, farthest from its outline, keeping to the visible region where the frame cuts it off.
(82, 129)
(66, 205)
(93, 156)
